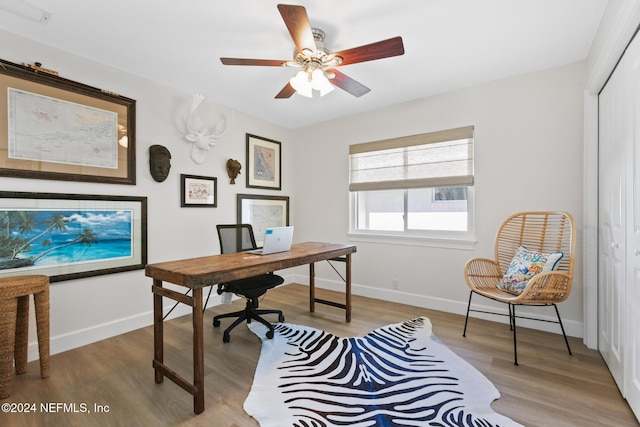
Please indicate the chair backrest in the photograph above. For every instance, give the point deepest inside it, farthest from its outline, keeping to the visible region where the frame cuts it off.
(236, 238)
(545, 232)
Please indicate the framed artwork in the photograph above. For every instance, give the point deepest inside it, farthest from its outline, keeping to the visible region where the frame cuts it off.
(262, 212)
(198, 191)
(69, 236)
(263, 163)
(54, 128)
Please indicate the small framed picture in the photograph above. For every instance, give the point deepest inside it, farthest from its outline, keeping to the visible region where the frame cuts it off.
(198, 191)
(263, 163)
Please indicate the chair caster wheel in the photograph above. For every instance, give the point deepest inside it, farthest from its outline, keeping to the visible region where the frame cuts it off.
(216, 323)
(226, 338)
(281, 318)
(269, 334)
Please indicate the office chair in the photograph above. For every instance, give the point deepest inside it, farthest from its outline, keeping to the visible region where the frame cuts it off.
(238, 238)
(532, 266)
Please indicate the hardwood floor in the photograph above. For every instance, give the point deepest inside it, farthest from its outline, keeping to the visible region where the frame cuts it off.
(115, 380)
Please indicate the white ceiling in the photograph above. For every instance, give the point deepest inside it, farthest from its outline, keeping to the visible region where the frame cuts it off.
(449, 44)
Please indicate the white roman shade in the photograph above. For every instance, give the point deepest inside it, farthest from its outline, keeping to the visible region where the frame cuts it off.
(437, 159)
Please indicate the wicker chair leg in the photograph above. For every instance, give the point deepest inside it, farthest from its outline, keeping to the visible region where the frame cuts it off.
(8, 310)
(510, 318)
(512, 311)
(566, 341)
(41, 300)
(466, 320)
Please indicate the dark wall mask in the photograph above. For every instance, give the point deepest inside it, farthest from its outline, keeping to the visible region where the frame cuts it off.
(159, 162)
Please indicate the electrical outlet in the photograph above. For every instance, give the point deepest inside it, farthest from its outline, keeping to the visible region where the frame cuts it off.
(394, 284)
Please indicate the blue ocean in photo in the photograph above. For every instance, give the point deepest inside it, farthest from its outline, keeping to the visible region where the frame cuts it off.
(109, 236)
(102, 250)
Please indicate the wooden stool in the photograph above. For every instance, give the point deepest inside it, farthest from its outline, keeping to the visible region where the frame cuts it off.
(14, 325)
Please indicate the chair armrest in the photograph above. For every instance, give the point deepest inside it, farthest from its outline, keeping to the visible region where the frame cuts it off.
(548, 287)
(482, 273)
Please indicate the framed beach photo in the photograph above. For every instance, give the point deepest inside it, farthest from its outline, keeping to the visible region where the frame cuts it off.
(262, 212)
(198, 191)
(69, 236)
(263, 163)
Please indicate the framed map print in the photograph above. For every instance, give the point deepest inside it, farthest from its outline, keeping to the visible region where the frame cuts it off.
(263, 163)
(262, 212)
(55, 128)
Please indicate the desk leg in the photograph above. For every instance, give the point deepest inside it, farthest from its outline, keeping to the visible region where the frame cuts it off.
(158, 333)
(198, 352)
(347, 290)
(312, 287)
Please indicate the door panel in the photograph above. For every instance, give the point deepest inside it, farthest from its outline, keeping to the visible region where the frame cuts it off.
(611, 250)
(632, 291)
(619, 225)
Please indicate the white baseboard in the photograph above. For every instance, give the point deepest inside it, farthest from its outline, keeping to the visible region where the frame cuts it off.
(81, 337)
(572, 327)
(78, 338)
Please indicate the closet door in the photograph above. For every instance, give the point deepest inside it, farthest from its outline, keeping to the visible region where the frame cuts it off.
(632, 300)
(619, 225)
(611, 223)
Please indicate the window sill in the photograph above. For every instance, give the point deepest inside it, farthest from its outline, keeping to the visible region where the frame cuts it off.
(406, 240)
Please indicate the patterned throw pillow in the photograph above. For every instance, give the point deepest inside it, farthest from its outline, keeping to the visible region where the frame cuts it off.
(524, 265)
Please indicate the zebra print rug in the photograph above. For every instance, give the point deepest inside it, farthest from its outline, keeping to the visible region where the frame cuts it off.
(397, 375)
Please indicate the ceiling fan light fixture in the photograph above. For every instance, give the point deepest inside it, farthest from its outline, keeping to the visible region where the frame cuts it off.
(317, 79)
(305, 82)
(302, 84)
(320, 82)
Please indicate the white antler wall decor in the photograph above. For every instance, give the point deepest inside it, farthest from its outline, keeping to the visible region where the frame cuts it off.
(202, 138)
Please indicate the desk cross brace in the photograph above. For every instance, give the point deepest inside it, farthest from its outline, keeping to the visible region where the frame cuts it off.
(347, 280)
(185, 294)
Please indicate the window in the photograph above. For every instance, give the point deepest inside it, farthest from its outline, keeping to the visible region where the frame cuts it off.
(417, 186)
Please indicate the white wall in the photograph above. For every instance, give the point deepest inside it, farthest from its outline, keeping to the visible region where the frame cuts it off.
(528, 156)
(91, 309)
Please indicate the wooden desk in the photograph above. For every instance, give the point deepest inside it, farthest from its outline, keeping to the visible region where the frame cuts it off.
(197, 273)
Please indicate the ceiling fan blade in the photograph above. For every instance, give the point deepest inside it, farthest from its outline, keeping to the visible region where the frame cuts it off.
(297, 21)
(370, 52)
(286, 92)
(245, 61)
(348, 84)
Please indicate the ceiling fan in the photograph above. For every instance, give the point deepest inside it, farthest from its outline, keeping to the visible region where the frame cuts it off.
(316, 62)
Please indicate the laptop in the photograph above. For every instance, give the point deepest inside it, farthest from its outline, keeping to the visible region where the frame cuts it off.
(276, 239)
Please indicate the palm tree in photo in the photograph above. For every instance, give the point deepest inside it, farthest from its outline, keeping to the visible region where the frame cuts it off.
(9, 242)
(54, 222)
(5, 222)
(87, 237)
(25, 222)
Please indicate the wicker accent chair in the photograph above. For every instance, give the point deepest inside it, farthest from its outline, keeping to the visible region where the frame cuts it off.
(544, 232)
(14, 326)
